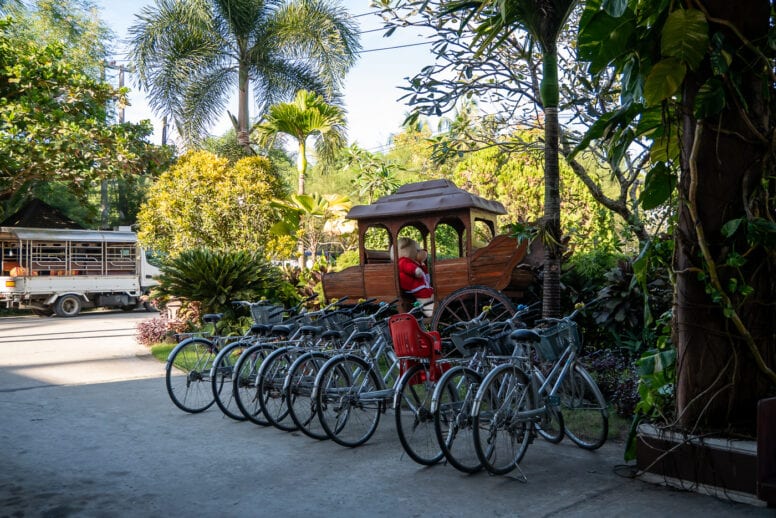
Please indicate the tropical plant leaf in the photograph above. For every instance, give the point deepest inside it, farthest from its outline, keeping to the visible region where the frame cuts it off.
(664, 80)
(710, 99)
(658, 186)
(604, 38)
(685, 36)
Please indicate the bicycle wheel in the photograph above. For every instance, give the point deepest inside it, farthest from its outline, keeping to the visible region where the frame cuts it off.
(187, 375)
(414, 421)
(348, 400)
(299, 388)
(550, 426)
(221, 379)
(585, 412)
(501, 435)
(453, 399)
(269, 384)
(244, 382)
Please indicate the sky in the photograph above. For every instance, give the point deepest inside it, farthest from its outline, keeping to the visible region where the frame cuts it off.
(371, 89)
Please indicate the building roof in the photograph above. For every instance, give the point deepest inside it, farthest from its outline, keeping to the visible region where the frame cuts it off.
(37, 214)
(423, 198)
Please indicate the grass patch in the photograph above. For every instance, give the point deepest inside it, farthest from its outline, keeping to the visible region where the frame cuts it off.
(162, 350)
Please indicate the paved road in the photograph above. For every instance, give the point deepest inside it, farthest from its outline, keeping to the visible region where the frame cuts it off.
(87, 429)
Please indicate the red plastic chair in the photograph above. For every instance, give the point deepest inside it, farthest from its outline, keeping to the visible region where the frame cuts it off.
(412, 344)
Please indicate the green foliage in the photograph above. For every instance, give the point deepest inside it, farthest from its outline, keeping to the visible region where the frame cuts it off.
(346, 259)
(193, 56)
(312, 219)
(203, 201)
(517, 181)
(215, 278)
(54, 120)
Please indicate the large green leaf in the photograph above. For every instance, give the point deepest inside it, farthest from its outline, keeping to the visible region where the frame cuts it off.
(685, 36)
(605, 38)
(658, 186)
(664, 80)
(710, 99)
(664, 149)
(658, 361)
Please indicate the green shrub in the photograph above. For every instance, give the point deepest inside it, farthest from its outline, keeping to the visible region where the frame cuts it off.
(215, 278)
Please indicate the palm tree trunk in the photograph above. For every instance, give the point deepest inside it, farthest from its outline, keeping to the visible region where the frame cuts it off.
(301, 167)
(242, 107)
(551, 223)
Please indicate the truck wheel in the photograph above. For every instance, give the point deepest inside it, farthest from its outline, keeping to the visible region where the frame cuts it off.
(68, 306)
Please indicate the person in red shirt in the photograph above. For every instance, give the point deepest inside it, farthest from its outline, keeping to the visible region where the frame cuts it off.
(413, 273)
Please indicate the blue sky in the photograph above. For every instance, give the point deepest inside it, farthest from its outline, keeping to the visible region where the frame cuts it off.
(371, 88)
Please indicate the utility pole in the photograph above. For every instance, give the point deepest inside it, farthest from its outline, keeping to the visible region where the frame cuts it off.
(104, 198)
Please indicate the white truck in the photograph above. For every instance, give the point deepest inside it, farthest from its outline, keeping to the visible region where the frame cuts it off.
(63, 271)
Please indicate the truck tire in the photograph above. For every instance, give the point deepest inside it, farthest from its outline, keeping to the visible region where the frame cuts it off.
(68, 306)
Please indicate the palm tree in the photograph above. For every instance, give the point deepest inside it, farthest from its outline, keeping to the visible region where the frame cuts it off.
(191, 54)
(313, 217)
(543, 21)
(308, 116)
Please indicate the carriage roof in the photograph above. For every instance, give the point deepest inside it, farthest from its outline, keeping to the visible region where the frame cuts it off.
(428, 197)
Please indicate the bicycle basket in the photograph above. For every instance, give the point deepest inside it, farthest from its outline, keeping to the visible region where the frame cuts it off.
(555, 339)
(459, 338)
(267, 313)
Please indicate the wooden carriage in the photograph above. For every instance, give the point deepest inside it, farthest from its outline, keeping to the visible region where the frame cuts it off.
(480, 268)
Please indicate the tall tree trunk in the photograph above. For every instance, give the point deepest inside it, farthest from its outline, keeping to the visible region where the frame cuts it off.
(551, 224)
(301, 167)
(723, 163)
(242, 107)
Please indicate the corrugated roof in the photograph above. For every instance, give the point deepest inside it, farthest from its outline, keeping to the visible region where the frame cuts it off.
(47, 234)
(425, 197)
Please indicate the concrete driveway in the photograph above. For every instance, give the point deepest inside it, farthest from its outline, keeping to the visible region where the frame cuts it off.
(87, 429)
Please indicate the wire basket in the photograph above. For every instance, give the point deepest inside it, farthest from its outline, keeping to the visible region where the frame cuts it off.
(555, 340)
(459, 338)
(267, 313)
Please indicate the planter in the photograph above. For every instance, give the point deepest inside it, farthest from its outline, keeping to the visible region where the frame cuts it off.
(720, 467)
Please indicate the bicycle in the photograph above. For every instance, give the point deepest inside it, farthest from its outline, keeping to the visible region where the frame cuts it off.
(483, 344)
(265, 388)
(542, 378)
(301, 375)
(352, 389)
(195, 355)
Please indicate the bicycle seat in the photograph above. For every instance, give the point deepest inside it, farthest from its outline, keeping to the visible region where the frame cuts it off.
(212, 318)
(310, 330)
(282, 330)
(261, 329)
(525, 334)
(475, 342)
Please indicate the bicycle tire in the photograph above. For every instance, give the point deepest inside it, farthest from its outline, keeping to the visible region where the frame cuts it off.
(194, 357)
(270, 381)
(347, 413)
(501, 437)
(244, 382)
(221, 379)
(585, 411)
(299, 389)
(453, 400)
(414, 421)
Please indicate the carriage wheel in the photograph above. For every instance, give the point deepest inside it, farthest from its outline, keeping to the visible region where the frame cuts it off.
(467, 303)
